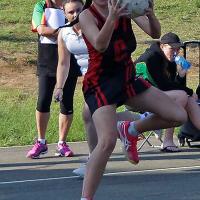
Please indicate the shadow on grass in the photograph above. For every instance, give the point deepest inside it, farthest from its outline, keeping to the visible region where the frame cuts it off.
(13, 38)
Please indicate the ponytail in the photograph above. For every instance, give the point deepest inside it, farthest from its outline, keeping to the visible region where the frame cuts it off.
(76, 20)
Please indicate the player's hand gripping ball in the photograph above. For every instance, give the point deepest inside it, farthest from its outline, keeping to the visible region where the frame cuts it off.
(136, 7)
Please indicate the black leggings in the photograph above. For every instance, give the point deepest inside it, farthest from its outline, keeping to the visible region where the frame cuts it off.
(45, 93)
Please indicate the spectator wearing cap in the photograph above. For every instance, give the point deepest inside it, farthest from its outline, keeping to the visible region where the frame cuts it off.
(160, 62)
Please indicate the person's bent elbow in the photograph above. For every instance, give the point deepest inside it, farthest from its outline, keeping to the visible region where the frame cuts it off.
(156, 35)
(100, 48)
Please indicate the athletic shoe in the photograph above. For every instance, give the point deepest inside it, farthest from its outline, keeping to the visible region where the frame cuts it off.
(37, 150)
(80, 171)
(64, 150)
(129, 142)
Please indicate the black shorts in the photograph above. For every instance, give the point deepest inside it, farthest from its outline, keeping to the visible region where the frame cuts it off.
(114, 91)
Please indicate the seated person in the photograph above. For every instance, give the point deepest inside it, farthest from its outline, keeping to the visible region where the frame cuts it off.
(163, 72)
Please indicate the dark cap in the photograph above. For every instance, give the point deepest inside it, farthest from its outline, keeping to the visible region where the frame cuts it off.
(172, 39)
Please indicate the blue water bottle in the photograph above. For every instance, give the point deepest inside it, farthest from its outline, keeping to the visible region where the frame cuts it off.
(180, 60)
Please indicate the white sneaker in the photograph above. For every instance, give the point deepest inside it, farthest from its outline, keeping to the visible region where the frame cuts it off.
(80, 171)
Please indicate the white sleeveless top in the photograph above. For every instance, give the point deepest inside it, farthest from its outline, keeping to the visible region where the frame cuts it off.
(76, 45)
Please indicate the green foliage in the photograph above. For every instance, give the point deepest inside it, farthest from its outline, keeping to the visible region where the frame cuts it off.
(17, 118)
(198, 3)
(15, 32)
(180, 16)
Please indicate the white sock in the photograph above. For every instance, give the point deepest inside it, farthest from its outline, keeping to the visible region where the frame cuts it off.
(42, 141)
(132, 129)
(144, 115)
(60, 142)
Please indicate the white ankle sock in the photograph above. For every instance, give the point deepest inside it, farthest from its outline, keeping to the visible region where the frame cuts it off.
(60, 142)
(43, 141)
(144, 115)
(132, 129)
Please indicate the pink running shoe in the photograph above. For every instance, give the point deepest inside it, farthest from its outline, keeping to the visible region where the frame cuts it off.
(129, 142)
(64, 150)
(37, 150)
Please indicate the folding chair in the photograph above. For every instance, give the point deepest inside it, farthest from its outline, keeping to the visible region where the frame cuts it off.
(188, 132)
(146, 140)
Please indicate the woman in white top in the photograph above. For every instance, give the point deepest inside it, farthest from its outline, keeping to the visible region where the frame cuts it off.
(70, 41)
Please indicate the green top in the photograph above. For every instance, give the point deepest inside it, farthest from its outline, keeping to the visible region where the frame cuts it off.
(142, 70)
(38, 17)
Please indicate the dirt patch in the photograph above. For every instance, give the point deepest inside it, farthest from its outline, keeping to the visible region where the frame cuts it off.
(20, 72)
(20, 77)
(17, 77)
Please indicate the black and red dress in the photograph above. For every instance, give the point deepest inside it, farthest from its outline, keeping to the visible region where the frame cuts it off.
(110, 78)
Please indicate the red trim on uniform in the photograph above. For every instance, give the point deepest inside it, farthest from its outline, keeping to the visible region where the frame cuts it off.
(119, 46)
(101, 97)
(147, 84)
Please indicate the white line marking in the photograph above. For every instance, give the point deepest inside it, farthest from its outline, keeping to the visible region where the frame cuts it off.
(37, 180)
(106, 174)
(152, 170)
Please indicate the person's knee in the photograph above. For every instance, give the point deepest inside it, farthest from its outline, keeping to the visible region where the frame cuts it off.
(182, 98)
(107, 145)
(67, 112)
(43, 106)
(66, 107)
(181, 116)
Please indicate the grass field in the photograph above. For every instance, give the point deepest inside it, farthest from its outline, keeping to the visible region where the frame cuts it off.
(18, 88)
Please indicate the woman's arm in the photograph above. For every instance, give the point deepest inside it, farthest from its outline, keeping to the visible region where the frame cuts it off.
(38, 24)
(63, 62)
(47, 31)
(149, 22)
(100, 39)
